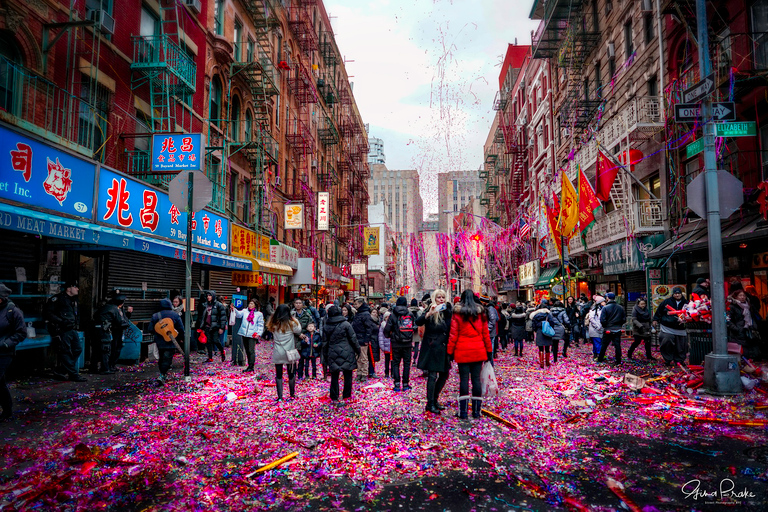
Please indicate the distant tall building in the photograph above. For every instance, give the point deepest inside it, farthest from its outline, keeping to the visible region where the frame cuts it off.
(456, 190)
(376, 151)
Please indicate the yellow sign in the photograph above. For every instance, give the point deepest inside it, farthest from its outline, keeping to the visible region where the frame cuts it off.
(262, 252)
(371, 241)
(294, 216)
(245, 242)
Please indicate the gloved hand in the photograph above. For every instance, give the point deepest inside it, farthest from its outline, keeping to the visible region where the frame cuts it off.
(490, 356)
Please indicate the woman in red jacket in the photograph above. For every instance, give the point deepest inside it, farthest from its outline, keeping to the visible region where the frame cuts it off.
(470, 345)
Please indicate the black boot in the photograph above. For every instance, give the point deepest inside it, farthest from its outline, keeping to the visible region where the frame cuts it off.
(463, 406)
(292, 386)
(279, 388)
(431, 395)
(477, 404)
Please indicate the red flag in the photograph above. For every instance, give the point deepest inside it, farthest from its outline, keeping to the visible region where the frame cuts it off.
(606, 175)
(588, 203)
(554, 227)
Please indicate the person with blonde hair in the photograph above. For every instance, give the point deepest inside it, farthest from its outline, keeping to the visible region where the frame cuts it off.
(434, 347)
(287, 331)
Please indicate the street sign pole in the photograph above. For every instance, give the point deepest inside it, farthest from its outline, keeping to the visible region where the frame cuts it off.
(721, 371)
(188, 288)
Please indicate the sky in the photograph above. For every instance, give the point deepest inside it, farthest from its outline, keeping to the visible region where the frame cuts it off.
(425, 75)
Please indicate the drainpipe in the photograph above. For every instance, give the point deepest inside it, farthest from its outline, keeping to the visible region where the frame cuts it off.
(665, 207)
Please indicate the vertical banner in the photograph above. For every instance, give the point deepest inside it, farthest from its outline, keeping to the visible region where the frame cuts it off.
(294, 216)
(323, 201)
(371, 242)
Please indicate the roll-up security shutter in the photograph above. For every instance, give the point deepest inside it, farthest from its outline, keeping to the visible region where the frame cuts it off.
(19, 250)
(221, 282)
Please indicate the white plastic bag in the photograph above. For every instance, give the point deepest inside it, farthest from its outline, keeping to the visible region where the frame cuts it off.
(488, 381)
(232, 317)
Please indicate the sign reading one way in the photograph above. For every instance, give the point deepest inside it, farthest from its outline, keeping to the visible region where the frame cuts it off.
(721, 111)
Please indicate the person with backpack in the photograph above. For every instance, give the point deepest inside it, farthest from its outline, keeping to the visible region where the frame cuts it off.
(574, 314)
(469, 344)
(529, 321)
(543, 326)
(213, 321)
(61, 317)
(561, 325)
(109, 322)
(594, 327)
(493, 322)
(12, 332)
(166, 348)
(502, 327)
(400, 329)
(612, 319)
(434, 345)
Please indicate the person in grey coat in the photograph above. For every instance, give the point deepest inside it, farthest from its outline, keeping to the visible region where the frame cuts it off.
(286, 331)
(340, 352)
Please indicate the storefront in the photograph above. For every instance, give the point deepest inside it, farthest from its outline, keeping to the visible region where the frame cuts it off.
(626, 267)
(528, 275)
(288, 257)
(267, 278)
(548, 285)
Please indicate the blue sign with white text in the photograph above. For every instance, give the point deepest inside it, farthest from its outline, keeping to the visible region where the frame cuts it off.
(40, 175)
(130, 204)
(177, 152)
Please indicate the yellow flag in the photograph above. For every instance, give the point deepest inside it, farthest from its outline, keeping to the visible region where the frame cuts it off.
(569, 207)
(371, 242)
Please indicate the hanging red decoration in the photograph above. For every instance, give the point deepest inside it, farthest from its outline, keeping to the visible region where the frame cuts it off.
(762, 199)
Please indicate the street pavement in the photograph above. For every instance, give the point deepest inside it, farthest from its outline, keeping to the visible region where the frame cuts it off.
(575, 438)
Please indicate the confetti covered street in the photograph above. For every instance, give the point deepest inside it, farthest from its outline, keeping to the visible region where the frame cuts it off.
(571, 437)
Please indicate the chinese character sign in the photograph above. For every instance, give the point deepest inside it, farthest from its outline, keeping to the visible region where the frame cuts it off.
(130, 204)
(294, 216)
(42, 176)
(371, 241)
(177, 152)
(323, 210)
(262, 251)
(244, 242)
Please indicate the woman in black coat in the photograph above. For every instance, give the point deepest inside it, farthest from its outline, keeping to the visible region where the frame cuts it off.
(434, 348)
(340, 351)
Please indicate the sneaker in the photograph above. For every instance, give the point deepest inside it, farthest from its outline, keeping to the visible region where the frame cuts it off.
(77, 378)
(59, 376)
(248, 370)
(223, 356)
(396, 389)
(209, 360)
(406, 387)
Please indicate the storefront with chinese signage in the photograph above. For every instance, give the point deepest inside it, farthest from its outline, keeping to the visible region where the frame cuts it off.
(269, 274)
(527, 276)
(626, 266)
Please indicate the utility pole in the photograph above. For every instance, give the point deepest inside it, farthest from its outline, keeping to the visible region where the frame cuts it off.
(721, 370)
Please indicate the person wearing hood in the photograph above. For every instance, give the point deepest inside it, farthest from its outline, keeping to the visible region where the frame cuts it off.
(385, 344)
(12, 332)
(251, 328)
(434, 347)
(517, 321)
(416, 311)
(641, 327)
(61, 316)
(340, 352)
(469, 344)
(166, 348)
(673, 340)
(109, 323)
(562, 327)
(543, 341)
(287, 332)
(367, 334)
(213, 320)
(400, 329)
(612, 319)
(594, 327)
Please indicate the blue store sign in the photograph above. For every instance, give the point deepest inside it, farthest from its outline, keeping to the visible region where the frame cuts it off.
(39, 175)
(177, 152)
(130, 204)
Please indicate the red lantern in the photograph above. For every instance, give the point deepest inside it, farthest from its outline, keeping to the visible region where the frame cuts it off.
(453, 281)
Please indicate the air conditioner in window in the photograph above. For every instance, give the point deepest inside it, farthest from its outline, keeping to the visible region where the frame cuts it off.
(194, 5)
(608, 8)
(103, 21)
(647, 6)
(611, 50)
(278, 181)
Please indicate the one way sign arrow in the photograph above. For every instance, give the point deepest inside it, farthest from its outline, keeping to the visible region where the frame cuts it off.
(724, 111)
(700, 91)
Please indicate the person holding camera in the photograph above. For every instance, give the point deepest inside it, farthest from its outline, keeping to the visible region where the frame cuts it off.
(434, 347)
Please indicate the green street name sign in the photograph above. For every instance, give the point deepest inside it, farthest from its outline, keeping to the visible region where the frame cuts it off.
(694, 148)
(743, 129)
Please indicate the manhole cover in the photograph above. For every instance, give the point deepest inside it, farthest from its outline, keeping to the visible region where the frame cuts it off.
(758, 453)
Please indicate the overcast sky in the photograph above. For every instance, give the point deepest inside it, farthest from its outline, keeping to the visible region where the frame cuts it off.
(425, 74)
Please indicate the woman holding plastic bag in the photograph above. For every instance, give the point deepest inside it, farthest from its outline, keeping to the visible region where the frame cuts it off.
(469, 343)
(434, 344)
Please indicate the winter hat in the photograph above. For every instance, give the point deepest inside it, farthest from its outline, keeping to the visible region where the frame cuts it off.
(456, 299)
(71, 284)
(5, 292)
(610, 296)
(414, 303)
(401, 301)
(334, 311)
(677, 289)
(700, 280)
(599, 299)
(426, 297)
(544, 302)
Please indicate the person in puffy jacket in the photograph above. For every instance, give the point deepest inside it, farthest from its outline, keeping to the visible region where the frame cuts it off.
(251, 329)
(469, 344)
(641, 328)
(517, 333)
(400, 329)
(434, 347)
(286, 330)
(562, 327)
(212, 319)
(365, 330)
(340, 352)
(543, 341)
(165, 347)
(593, 325)
(612, 319)
(673, 340)
(385, 344)
(12, 332)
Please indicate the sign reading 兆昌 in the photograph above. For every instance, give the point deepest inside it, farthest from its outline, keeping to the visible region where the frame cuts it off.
(131, 204)
(40, 175)
(323, 215)
(182, 152)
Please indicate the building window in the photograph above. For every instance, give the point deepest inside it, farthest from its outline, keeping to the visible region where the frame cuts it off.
(653, 86)
(142, 126)
(236, 40)
(235, 119)
(598, 80)
(760, 33)
(692, 170)
(248, 126)
(611, 68)
(10, 58)
(247, 201)
(94, 112)
(214, 109)
(249, 49)
(629, 47)
(648, 28)
(218, 17)
(586, 89)
(764, 154)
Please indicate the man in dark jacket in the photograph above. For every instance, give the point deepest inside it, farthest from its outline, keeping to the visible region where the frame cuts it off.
(166, 347)
(212, 320)
(62, 318)
(612, 319)
(400, 328)
(366, 332)
(702, 287)
(673, 340)
(12, 332)
(110, 321)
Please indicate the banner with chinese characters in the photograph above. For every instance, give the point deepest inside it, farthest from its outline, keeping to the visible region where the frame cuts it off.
(358, 269)
(183, 152)
(262, 250)
(244, 242)
(130, 204)
(281, 253)
(258, 279)
(371, 241)
(40, 175)
(323, 211)
(294, 216)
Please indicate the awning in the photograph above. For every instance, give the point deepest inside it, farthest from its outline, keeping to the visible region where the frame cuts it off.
(546, 276)
(733, 231)
(170, 250)
(273, 268)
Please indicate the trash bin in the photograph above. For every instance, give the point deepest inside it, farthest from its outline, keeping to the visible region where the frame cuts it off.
(699, 341)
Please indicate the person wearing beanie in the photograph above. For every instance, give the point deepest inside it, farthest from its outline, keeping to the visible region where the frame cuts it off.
(702, 287)
(673, 341)
(612, 319)
(400, 329)
(12, 332)
(109, 323)
(61, 317)
(594, 327)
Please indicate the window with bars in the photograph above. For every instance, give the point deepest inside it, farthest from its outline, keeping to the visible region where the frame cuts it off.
(94, 112)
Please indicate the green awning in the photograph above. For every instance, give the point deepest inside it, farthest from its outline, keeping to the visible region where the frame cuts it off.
(546, 276)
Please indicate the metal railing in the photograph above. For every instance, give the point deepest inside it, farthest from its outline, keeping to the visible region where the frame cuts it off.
(153, 53)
